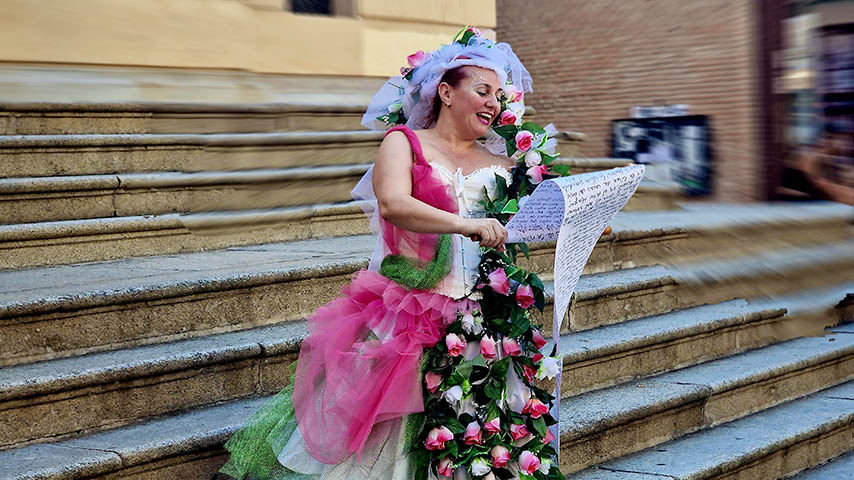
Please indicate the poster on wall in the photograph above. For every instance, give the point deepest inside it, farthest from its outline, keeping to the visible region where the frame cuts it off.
(676, 149)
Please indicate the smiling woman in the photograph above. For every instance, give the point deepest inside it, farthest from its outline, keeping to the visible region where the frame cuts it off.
(426, 367)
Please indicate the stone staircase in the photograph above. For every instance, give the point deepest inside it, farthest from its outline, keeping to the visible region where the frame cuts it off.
(684, 354)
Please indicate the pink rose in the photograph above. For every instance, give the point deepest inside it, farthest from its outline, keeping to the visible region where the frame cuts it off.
(511, 348)
(416, 58)
(549, 436)
(518, 431)
(500, 456)
(437, 437)
(535, 408)
(507, 118)
(473, 434)
(536, 173)
(493, 426)
(529, 372)
(513, 94)
(524, 140)
(433, 380)
(446, 467)
(474, 30)
(487, 348)
(525, 296)
(498, 281)
(456, 345)
(537, 357)
(539, 341)
(528, 462)
(405, 70)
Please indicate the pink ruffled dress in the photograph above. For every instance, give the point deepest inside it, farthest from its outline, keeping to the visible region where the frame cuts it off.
(358, 375)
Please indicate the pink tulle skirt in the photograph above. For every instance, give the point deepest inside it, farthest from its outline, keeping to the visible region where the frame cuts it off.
(359, 365)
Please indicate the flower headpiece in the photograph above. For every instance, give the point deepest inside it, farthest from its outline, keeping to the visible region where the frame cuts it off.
(407, 99)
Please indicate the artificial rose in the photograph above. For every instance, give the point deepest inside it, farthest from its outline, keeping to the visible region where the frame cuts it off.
(549, 368)
(472, 324)
(437, 437)
(446, 467)
(433, 380)
(536, 173)
(480, 467)
(500, 456)
(493, 426)
(533, 158)
(524, 140)
(473, 434)
(525, 296)
(416, 58)
(497, 280)
(545, 466)
(456, 345)
(528, 462)
(513, 94)
(538, 339)
(518, 109)
(487, 348)
(511, 348)
(453, 394)
(507, 118)
(537, 357)
(535, 408)
(518, 431)
(529, 372)
(475, 31)
(549, 436)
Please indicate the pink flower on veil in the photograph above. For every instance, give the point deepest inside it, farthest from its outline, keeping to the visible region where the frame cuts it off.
(437, 437)
(498, 281)
(528, 462)
(525, 296)
(524, 140)
(445, 467)
(416, 58)
(456, 345)
(433, 380)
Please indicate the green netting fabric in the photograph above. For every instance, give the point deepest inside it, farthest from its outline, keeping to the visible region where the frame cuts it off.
(254, 447)
(406, 272)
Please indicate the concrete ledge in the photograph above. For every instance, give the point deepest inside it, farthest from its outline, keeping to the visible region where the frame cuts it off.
(772, 444)
(604, 424)
(834, 469)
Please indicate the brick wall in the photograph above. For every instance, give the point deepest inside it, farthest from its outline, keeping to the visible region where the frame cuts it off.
(593, 59)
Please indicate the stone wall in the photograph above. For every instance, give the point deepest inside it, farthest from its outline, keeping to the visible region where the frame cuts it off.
(592, 60)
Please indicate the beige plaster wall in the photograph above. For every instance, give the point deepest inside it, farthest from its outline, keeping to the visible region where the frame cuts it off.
(249, 35)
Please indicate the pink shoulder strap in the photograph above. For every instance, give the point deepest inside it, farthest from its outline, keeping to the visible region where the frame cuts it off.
(414, 143)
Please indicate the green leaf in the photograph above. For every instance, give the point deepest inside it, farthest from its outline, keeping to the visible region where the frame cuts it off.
(562, 170)
(451, 447)
(524, 247)
(500, 187)
(510, 206)
(500, 368)
(533, 127)
(507, 132)
(493, 389)
(524, 476)
(539, 426)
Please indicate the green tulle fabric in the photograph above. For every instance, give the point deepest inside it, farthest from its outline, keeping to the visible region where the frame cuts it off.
(253, 448)
(406, 272)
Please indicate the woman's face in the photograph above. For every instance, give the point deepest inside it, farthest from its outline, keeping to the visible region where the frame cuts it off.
(475, 101)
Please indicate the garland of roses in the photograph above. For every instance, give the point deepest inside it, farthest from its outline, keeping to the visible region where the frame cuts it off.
(467, 422)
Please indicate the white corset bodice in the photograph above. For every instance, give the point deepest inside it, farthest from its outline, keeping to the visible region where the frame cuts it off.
(468, 190)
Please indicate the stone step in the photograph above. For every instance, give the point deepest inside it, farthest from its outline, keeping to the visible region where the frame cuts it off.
(66, 155)
(611, 354)
(183, 446)
(97, 154)
(50, 199)
(311, 113)
(835, 469)
(191, 442)
(698, 231)
(133, 383)
(68, 198)
(143, 300)
(27, 118)
(773, 443)
(605, 424)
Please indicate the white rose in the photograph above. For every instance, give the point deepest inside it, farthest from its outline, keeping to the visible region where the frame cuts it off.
(545, 465)
(480, 467)
(518, 110)
(549, 368)
(453, 394)
(533, 158)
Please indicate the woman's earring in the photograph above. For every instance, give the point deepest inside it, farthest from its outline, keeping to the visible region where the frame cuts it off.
(448, 104)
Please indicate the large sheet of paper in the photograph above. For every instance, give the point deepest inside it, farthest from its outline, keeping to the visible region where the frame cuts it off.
(574, 210)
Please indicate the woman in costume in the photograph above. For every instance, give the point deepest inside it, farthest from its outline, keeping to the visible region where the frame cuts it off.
(427, 367)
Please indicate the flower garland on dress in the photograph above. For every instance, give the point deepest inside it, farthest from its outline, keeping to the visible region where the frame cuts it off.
(484, 410)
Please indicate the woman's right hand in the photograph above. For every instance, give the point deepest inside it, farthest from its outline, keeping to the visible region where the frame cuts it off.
(488, 231)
